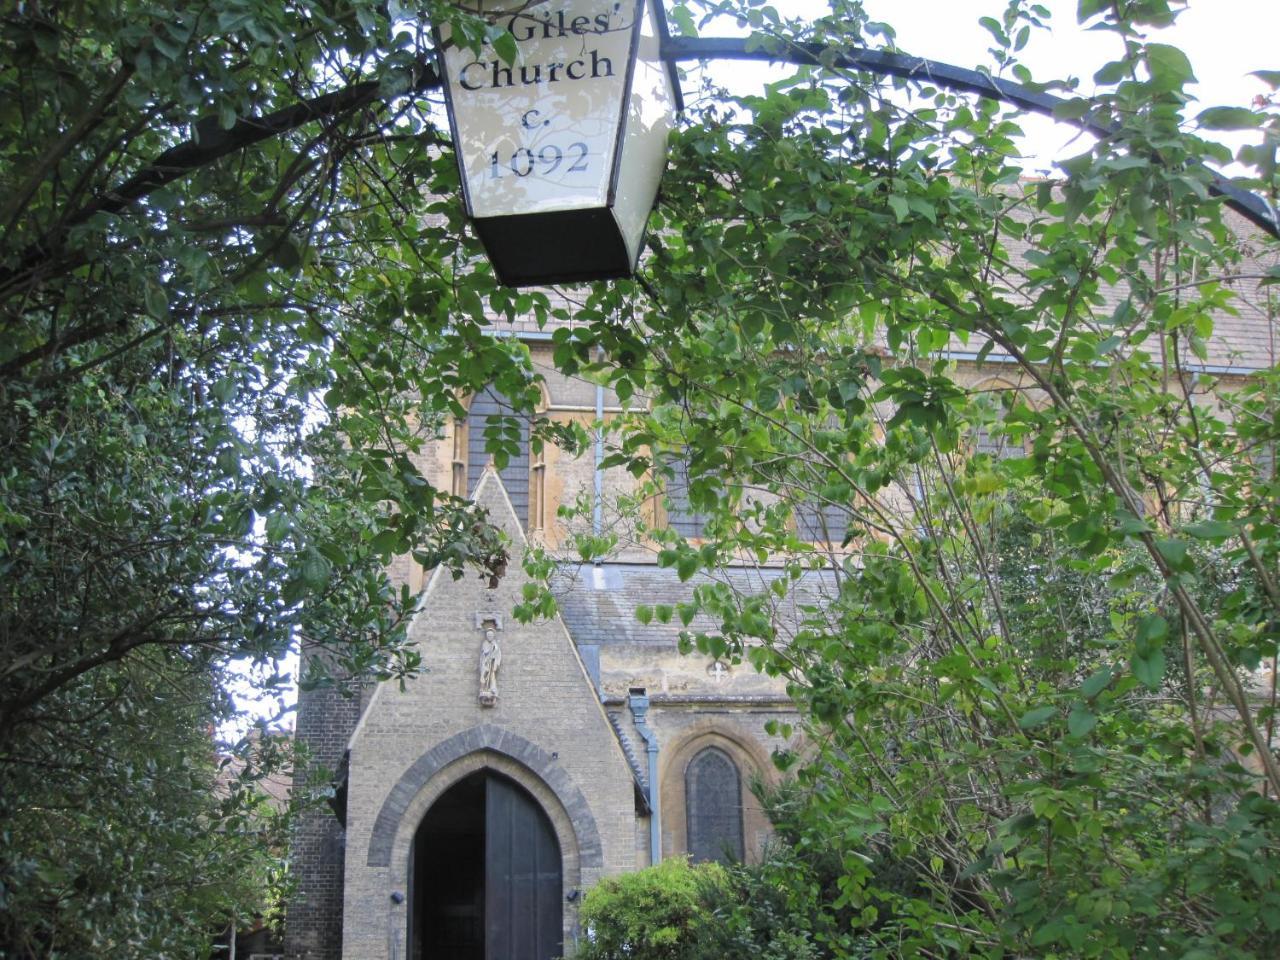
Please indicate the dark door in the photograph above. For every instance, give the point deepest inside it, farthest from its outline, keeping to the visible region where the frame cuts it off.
(486, 876)
(523, 919)
(447, 919)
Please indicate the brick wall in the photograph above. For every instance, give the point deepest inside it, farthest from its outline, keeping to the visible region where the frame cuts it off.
(313, 925)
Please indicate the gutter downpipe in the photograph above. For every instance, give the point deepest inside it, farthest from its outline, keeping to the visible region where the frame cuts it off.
(597, 510)
(638, 701)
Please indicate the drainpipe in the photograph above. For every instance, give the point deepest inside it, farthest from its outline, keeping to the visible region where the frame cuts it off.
(638, 701)
(597, 511)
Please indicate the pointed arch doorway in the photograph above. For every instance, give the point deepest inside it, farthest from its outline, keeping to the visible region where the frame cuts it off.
(486, 876)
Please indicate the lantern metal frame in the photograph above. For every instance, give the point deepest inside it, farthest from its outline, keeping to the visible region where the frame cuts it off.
(526, 249)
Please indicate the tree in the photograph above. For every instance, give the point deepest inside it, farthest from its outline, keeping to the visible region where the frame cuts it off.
(228, 315)
(232, 306)
(1030, 683)
(116, 841)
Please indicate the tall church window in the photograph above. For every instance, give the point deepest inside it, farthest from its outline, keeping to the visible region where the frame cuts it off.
(713, 807)
(821, 522)
(486, 407)
(681, 516)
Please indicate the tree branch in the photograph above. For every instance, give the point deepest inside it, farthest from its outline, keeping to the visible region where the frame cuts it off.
(212, 143)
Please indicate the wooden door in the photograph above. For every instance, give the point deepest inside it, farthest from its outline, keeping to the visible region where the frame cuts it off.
(523, 886)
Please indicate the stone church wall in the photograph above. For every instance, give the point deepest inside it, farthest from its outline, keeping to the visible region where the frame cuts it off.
(547, 730)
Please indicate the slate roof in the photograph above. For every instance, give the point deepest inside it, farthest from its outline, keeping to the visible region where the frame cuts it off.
(598, 603)
(1243, 341)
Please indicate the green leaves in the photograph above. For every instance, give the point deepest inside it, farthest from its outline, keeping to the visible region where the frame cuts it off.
(1036, 717)
(1170, 69)
(1214, 530)
(1174, 552)
(1149, 668)
(1081, 720)
(824, 269)
(1228, 118)
(1148, 656)
(314, 570)
(157, 301)
(1270, 77)
(997, 635)
(1096, 683)
(504, 45)
(215, 402)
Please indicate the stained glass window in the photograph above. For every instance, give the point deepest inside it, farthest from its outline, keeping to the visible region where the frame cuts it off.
(713, 807)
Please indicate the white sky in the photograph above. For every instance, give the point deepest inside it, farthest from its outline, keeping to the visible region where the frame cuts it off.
(1224, 39)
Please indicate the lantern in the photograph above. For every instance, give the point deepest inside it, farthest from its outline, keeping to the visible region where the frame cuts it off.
(560, 151)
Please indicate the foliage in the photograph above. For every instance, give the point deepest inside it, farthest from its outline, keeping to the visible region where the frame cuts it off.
(682, 911)
(768, 911)
(124, 834)
(654, 914)
(227, 321)
(231, 312)
(1032, 684)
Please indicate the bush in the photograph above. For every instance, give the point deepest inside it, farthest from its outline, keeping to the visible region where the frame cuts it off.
(681, 911)
(654, 914)
(766, 912)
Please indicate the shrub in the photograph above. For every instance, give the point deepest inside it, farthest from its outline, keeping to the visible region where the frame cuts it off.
(682, 911)
(658, 913)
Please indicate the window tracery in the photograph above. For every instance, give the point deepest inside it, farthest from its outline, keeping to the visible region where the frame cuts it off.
(713, 807)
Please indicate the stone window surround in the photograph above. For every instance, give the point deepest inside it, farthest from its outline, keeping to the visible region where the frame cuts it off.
(752, 762)
(458, 436)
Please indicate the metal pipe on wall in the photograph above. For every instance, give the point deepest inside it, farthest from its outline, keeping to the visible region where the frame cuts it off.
(597, 509)
(638, 701)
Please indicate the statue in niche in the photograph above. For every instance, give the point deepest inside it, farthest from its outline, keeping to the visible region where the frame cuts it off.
(490, 661)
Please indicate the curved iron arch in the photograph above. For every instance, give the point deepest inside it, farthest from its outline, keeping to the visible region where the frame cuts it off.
(1251, 206)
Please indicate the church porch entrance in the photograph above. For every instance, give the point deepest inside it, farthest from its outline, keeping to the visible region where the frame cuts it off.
(486, 876)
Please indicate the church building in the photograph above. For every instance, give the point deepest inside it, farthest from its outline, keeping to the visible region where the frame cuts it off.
(476, 805)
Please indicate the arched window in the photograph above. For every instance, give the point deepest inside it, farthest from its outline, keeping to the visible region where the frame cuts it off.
(713, 807)
(681, 516)
(470, 454)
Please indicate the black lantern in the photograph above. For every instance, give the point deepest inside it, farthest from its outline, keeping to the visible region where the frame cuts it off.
(561, 150)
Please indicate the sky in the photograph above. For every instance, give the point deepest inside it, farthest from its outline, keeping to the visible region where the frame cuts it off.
(1224, 39)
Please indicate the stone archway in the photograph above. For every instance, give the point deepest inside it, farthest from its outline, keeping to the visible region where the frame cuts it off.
(493, 749)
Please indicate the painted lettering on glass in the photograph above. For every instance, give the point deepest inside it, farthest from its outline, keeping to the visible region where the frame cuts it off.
(546, 161)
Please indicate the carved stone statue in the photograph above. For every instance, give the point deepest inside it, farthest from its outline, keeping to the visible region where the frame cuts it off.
(490, 661)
